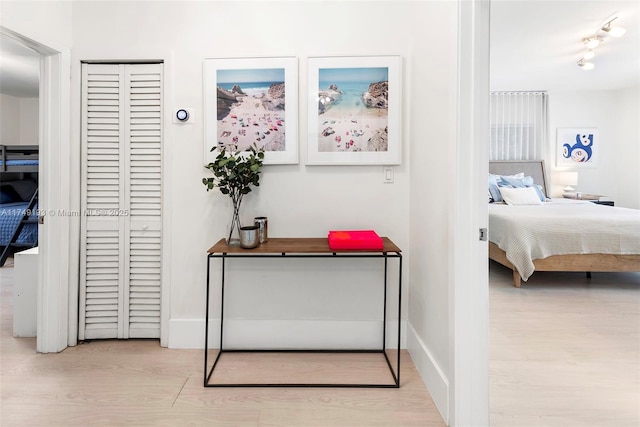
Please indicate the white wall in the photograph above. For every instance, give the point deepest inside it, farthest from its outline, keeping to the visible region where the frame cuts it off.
(299, 200)
(10, 125)
(628, 147)
(615, 115)
(46, 22)
(29, 121)
(19, 120)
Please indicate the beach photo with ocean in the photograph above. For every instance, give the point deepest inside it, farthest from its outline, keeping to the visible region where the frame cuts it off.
(353, 109)
(251, 109)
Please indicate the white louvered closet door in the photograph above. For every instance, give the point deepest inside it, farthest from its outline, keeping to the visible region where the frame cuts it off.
(121, 201)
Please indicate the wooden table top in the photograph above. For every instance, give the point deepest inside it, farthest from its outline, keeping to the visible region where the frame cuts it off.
(300, 245)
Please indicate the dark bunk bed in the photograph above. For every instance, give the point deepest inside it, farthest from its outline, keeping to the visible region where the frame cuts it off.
(18, 198)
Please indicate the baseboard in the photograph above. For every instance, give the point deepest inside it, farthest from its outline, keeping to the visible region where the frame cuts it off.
(299, 334)
(436, 381)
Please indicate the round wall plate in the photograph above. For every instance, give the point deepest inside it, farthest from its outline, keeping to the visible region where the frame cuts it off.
(182, 115)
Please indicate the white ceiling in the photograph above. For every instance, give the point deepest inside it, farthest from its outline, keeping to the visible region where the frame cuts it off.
(535, 45)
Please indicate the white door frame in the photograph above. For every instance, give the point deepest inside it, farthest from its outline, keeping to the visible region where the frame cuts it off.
(155, 54)
(469, 292)
(53, 195)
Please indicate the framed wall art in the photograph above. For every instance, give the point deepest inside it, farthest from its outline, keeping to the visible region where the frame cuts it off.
(354, 111)
(252, 100)
(577, 147)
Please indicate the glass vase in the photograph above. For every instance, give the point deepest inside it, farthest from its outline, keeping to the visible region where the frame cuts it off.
(233, 238)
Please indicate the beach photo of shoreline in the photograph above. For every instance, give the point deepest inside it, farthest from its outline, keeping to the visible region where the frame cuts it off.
(251, 109)
(353, 109)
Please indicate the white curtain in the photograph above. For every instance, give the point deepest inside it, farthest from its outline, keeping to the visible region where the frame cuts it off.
(518, 125)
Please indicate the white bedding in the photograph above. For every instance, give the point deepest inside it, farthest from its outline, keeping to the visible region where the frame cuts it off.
(562, 227)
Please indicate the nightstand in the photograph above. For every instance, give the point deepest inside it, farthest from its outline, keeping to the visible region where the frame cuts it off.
(603, 202)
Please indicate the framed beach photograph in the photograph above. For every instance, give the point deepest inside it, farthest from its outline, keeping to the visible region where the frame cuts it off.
(252, 100)
(577, 147)
(354, 111)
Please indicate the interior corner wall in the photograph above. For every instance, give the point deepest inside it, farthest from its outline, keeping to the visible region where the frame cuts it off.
(615, 114)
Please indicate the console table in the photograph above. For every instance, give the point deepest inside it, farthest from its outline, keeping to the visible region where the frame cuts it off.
(301, 248)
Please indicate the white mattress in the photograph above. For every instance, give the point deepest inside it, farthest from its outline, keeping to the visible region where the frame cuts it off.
(562, 227)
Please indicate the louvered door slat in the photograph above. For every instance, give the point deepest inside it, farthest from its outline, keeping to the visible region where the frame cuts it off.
(144, 276)
(102, 278)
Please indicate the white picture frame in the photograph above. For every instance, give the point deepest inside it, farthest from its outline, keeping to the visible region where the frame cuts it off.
(361, 125)
(259, 113)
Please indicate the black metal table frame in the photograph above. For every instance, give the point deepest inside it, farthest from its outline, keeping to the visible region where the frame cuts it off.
(223, 256)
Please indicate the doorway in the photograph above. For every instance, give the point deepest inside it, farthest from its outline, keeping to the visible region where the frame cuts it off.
(53, 136)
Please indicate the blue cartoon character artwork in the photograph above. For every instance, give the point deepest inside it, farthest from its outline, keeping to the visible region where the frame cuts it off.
(581, 151)
(577, 147)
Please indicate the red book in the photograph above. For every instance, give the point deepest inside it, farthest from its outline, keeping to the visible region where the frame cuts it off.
(355, 239)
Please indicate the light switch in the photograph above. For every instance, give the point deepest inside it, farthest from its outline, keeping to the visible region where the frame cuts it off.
(388, 175)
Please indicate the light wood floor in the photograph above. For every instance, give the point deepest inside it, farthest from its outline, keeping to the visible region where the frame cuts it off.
(138, 383)
(564, 349)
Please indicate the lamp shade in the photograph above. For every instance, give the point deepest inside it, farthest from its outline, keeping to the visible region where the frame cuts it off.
(569, 178)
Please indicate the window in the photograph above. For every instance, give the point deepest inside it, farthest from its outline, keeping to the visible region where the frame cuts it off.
(518, 125)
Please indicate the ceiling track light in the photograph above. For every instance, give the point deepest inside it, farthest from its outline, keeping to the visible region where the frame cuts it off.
(613, 31)
(592, 42)
(595, 40)
(586, 65)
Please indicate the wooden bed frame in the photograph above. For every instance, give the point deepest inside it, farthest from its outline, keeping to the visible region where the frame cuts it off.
(575, 262)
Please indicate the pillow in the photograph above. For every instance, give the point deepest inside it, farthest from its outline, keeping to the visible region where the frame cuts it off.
(520, 196)
(517, 182)
(9, 195)
(494, 181)
(494, 191)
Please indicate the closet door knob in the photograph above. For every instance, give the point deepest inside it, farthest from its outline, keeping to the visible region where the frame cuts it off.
(144, 227)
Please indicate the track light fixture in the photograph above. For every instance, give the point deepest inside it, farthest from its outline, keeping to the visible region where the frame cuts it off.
(613, 31)
(592, 42)
(585, 65)
(595, 40)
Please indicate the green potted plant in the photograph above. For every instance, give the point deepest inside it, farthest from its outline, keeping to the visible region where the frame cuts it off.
(234, 173)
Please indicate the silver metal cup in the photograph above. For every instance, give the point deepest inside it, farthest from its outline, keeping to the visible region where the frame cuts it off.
(261, 223)
(249, 237)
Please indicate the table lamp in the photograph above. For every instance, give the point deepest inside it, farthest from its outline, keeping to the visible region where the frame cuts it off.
(569, 179)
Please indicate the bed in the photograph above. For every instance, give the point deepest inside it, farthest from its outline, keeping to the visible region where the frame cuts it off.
(19, 158)
(18, 198)
(559, 234)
